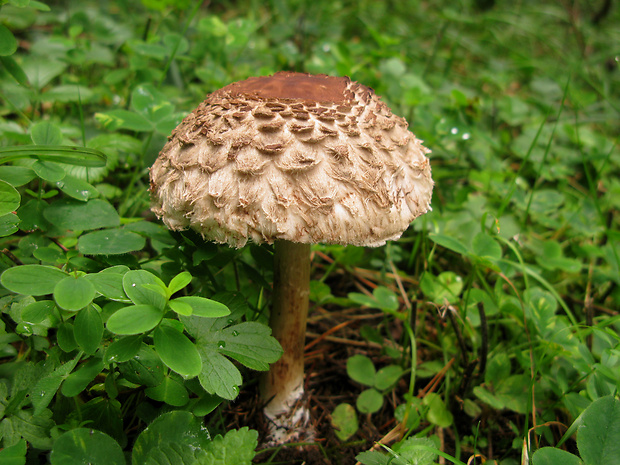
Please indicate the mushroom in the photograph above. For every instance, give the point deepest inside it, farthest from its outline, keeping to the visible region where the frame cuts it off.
(292, 159)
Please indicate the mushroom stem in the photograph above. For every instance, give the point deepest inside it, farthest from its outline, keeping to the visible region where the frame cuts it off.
(283, 386)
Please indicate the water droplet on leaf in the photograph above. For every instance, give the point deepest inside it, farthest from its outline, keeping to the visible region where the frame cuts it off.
(221, 344)
(235, 332)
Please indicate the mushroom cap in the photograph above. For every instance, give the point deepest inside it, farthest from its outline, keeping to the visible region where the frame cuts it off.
(298, 157)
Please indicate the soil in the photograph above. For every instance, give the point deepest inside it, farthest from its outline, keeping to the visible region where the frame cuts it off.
(332, 338)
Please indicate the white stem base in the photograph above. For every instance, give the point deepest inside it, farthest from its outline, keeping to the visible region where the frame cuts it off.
(289, 419)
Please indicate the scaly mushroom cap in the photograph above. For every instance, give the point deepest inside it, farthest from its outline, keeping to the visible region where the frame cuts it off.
(300, 157)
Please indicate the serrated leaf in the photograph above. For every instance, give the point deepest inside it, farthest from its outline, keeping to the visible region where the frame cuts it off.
(219, 376)
(84, 445)
(177, 432)
(177, 351)
(250, 343)
(45, 389)
(237, 447)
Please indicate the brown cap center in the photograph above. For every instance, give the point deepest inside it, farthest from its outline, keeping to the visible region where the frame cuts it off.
(285, 85)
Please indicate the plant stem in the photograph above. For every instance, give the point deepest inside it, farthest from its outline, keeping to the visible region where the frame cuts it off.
(282, 386)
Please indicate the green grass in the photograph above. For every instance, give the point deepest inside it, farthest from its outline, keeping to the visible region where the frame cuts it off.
(506, 294)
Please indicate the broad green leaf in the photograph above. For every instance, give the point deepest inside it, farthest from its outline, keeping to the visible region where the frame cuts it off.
(80, 216)
(15, 454)
(32, 279)
(9, 198)
(179, 282)
(437, 413)
(442, 289)
(109, 284)
(361, 369)
(37, 311)
(449, 243)
(135, 319)
(88, 327)
(46, 133)
(77, 381)
(110, 242)
(77, 188)
(9, 224)
(134, 284)
(204, 307)
(598, 435)
(177, 351)
(218, 376)
(73, 293)
(14, 70)
(16, 175)
(124, 119)
(344, 421)
(49, 170)
(41, 70)
(552, 456)
(31, 215)
(8, 42)
(123, 349)
(486, 247)
(179, 433)
(387, 376)
(144, 368)
(181, 308)
(369, 401)
(86, 446)
(386, 299)
(169, 391)
(66, 337)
